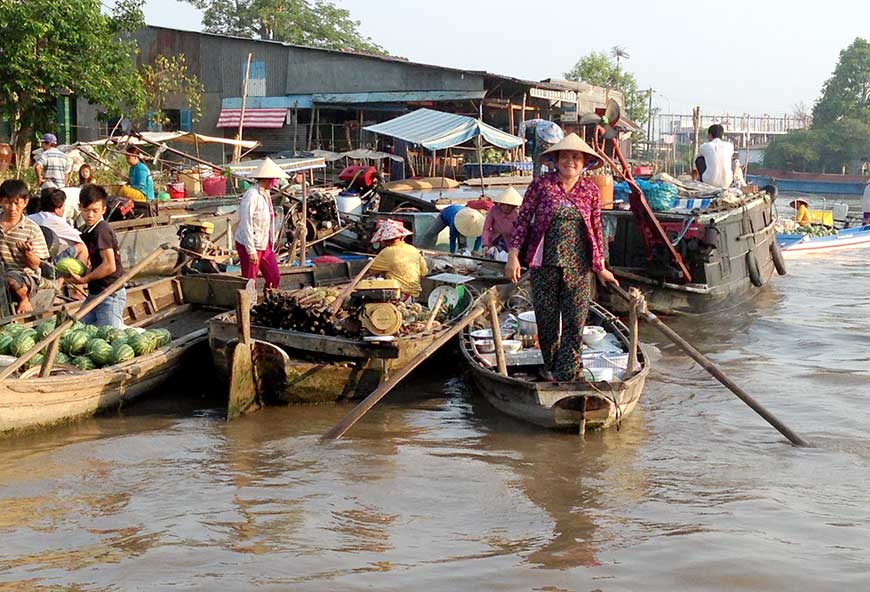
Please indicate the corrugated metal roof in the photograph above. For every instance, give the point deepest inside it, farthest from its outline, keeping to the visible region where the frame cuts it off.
(398, 96)
(435, 130)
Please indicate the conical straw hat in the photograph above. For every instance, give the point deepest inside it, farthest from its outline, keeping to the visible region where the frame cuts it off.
(469, 222)
(574, 143)
(269, 170)
(509, 196)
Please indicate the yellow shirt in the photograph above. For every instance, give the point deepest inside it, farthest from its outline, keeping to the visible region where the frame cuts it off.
(803, 216)
(403, 263)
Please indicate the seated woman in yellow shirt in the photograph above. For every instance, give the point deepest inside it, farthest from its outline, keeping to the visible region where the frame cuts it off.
(802, 217)
(397, 259)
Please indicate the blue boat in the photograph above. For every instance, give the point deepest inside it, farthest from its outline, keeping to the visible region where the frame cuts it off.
(810, 183)
(848, 238)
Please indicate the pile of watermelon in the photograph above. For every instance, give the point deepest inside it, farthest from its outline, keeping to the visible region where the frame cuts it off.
(84, 346)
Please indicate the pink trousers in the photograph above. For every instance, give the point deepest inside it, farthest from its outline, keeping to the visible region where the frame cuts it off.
(266, 262)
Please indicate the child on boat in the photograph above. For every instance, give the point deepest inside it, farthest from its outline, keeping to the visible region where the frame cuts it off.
(397, 259)
(22, 244)
(102, 245)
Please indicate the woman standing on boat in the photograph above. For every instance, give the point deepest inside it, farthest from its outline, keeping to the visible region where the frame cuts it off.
(558, 235)
(254, 233)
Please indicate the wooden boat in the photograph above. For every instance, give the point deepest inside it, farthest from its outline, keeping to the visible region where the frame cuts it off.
(557, 405)
(825, 184)
(804, 244)
(30, 402)
(318, 368)
(729, 251)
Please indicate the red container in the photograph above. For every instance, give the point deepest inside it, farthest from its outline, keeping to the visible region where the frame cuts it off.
(176, 190)
(642, 170)
(215, 185)
(362, 176)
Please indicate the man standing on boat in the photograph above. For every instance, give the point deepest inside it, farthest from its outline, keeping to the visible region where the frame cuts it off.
(52, 165)
(254, 233)
(717, 155)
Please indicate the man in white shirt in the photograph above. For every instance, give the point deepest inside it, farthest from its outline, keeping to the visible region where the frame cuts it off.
(52, 202)
(717, 158)
(52, 165)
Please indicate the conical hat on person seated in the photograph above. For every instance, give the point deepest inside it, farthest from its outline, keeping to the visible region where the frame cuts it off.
(469, 222)
(509, 196)
(269, 170)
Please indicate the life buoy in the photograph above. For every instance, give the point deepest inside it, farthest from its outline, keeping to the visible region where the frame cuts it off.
(778, 259)
(753, 269)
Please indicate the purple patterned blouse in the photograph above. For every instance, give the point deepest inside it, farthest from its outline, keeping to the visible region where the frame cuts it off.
(540, 203)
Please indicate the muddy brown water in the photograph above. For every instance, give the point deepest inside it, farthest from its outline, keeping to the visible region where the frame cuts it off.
(434, 490)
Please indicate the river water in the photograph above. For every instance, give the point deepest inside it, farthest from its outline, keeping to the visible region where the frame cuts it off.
(434, 490)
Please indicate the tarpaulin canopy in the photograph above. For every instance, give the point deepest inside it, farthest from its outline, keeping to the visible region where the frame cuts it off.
(254, 118)
(358, 154)
(289, 165)
(436, 130)
(181, 137)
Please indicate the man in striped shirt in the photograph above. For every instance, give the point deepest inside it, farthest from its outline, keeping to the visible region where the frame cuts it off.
(52, 165)
(22, 244)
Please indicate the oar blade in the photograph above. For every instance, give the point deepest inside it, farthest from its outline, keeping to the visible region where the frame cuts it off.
(243, 390)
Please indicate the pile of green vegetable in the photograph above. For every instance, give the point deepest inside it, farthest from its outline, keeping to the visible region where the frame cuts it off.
(817, 230)
(84, 346)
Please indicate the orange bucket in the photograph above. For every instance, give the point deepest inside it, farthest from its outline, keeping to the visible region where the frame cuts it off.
(605, 189)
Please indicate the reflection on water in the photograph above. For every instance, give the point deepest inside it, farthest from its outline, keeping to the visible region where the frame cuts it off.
(435, 490)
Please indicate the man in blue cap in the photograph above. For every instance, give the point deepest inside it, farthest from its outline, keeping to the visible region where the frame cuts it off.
(52, 165)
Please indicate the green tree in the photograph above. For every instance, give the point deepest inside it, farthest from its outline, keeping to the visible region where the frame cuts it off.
(314, 23)
(846, 94)
(53, 47)
(601, 69)
(169, 77)
(795, 151)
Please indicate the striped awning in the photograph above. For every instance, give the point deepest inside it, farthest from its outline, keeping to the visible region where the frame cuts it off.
(436, 130)
(254, 118)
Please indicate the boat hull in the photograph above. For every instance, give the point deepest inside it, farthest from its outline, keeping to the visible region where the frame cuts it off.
(811, 184)
(320, 369)
(799, 244)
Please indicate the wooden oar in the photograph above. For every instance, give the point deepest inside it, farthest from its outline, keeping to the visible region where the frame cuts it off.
(366, 404)
(345, 292)
(243, 389)
(87, 307)
(715, 372)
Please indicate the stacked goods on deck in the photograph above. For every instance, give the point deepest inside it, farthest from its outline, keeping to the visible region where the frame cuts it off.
(305, 310)
(85, 347)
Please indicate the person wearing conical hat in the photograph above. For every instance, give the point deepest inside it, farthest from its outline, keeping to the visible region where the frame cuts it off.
(802, 212)
(498, 228)
(397, 259)
(254, 232)
(463, 221)
(558, 236)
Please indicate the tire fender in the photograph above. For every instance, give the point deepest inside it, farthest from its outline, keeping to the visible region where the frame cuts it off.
(753, 269)
(778, 259)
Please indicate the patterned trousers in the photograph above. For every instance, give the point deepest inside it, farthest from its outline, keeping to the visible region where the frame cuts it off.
(561, 294)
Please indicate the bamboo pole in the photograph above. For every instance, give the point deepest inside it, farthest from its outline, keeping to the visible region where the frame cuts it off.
(496, 335)
(237, 150)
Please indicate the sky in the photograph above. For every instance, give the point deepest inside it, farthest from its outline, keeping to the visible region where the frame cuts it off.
(757, 57)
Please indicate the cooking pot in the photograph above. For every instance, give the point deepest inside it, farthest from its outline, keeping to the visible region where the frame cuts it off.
(528, 325)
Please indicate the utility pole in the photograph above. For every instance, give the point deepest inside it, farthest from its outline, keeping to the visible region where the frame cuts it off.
(649, 123)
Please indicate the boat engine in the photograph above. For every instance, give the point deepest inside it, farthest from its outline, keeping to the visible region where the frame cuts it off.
(195, 238)
(375, 303)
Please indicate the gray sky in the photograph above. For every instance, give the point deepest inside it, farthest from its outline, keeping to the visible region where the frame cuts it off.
(760, 56)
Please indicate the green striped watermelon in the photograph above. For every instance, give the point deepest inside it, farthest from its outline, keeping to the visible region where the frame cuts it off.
(22, 344)
(71, 264)
(29, 331)
(44, 328)
(36, 360)
(112, 334)
(141, 345)
(164, 337)
(83, 363)
(62, 358)
(75, 343)
(99, 351)
(13, 329)
(92, 330)
(132, 331)
(6, 340)
(122, 353)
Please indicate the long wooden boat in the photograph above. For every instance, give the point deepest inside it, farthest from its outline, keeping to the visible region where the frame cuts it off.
(318, 368)
(729, 251)
(793, 244)
(557, 405)
(29, 402)
(825, 184)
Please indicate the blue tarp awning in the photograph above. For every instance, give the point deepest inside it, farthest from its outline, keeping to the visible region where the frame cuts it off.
(435, 130)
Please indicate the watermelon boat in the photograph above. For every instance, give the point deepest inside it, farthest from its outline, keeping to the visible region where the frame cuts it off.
(805, 244)
(28, 401)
